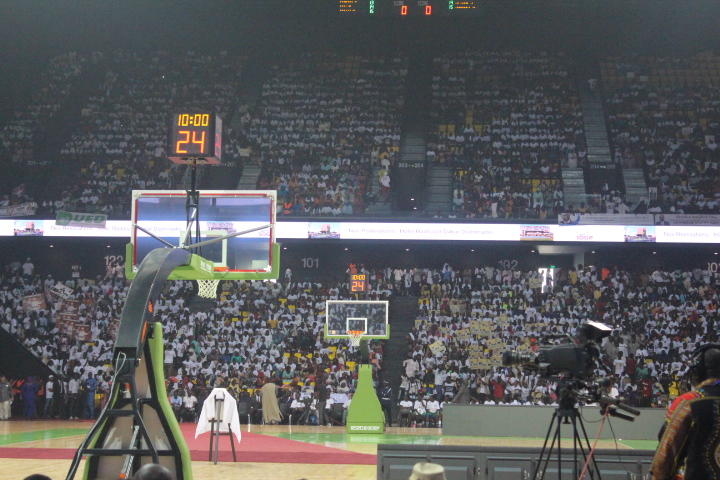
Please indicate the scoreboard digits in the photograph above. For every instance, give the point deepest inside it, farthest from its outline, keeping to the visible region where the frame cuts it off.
(408, 8)
(195, 137)
(358, 283)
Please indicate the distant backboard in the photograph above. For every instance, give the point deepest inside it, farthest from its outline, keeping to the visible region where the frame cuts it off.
(250, 256)
(368, 316)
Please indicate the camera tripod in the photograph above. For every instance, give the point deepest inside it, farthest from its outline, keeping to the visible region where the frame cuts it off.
(566, 414)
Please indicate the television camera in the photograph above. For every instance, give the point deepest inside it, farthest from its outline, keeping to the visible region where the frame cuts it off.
(573, 365)
(575, 359)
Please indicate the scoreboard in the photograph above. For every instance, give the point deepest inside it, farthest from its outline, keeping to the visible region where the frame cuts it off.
(409, 8)
(195, 137)
(358, 283)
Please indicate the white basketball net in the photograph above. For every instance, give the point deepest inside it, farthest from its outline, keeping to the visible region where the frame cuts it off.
(355, 336)
(208, 288)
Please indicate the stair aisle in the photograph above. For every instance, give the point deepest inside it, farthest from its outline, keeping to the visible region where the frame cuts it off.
(438, 193)
(248, 180)
(403, 311)
(574, 186)
(635, 185)
(54, 178)
(596, 133)
(380, 208)
(409, 172)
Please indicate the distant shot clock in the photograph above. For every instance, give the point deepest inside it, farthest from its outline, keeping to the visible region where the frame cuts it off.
(358, 283)
(195, 137)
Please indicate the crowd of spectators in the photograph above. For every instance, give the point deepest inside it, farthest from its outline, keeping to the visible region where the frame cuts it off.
(469, 316)
(664, 117)
(256, 332)
(324, 121)
(120, 142)
(18, 139)
(507, 122)
(327, 128)
(259, 332)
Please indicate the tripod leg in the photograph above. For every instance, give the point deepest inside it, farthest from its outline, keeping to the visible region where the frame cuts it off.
(559, 450)
(576, 442)
(589, 448)
(540, 470)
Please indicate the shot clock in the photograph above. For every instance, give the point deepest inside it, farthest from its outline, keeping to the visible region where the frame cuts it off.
(358, 283)
(195, 137)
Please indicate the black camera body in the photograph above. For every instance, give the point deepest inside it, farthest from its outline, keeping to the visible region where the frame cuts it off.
(575, 359)
(557, 360)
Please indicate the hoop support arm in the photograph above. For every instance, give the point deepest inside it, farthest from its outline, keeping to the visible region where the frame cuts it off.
(139, 306)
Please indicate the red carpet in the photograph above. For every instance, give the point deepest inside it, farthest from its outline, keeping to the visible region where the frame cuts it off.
(253, 448)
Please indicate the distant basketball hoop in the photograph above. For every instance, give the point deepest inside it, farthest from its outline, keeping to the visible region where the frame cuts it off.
(355, 337)
(207, 288)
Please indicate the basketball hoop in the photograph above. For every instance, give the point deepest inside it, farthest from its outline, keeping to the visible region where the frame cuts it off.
(355, 336)
(207, 288)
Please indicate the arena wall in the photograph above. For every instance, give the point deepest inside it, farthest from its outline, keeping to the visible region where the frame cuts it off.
(521, 421)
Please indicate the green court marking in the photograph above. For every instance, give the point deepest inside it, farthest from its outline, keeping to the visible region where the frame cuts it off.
(322, 438)
(640, 444)
(21, 437)
(400, 439)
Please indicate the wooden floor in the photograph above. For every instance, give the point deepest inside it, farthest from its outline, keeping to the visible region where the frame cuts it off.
(69, 434)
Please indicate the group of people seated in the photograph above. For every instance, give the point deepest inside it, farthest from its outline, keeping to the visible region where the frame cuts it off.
(256, 332)
(521, 198)
(263, 332)
(324, 122)
(327, 128)
(505, 121)
(121, 140)
(467, 318)
(19, 137)
(664, 117)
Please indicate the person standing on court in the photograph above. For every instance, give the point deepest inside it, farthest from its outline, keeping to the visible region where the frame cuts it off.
(5, 398)
(386, 401)
(270, 405)
(27, 395)
(90, 388)
(323, 396)
(690, 439)
(49, 397)
(73, 392)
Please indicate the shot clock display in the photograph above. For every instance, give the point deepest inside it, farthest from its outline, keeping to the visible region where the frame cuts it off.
(195, 137)
(358, 283)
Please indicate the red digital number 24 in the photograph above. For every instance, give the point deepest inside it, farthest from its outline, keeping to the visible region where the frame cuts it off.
(186, 141)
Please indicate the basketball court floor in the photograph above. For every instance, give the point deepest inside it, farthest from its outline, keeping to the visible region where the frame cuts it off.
(265, 453)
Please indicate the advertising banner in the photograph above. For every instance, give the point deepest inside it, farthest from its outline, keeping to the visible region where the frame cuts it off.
(687, 220)
(87, 220)
(536, 233)
(675, 229)
(62, 290)
(22, 210)
(34, 303)
(566, 219)
(68, 322)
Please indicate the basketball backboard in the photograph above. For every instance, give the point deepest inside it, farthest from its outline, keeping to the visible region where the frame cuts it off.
(368, 316)
(251, 256)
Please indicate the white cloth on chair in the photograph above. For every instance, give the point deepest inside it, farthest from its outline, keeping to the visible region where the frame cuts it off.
(230, 414)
